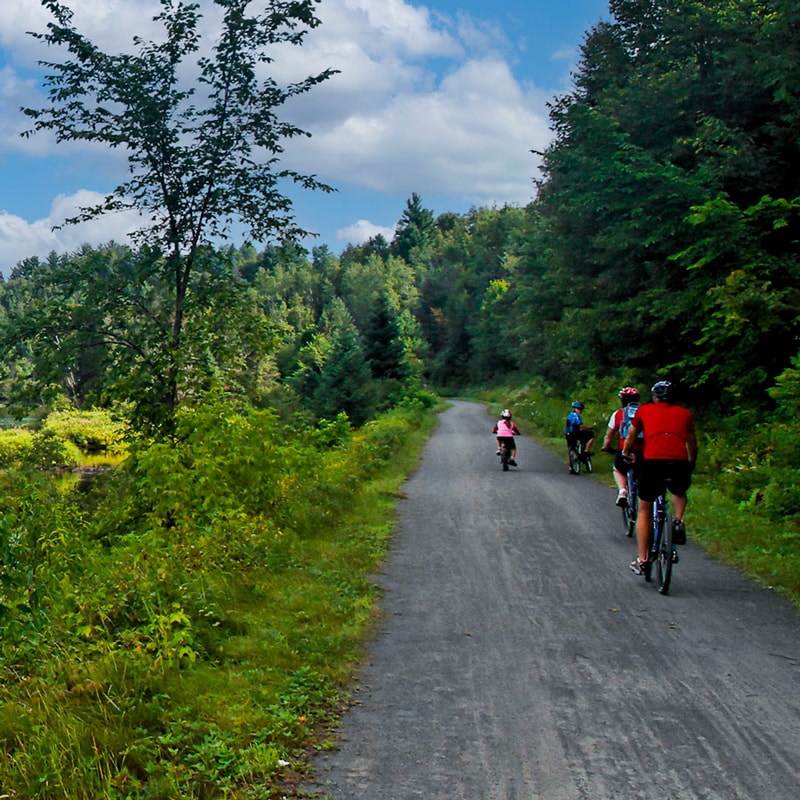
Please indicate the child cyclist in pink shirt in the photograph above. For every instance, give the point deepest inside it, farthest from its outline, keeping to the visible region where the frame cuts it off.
(504, 428)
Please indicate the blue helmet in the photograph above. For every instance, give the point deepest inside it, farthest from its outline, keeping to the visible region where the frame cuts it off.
(577, 404)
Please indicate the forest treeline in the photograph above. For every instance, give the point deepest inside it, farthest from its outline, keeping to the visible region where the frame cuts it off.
(662, 242)
(663, 239)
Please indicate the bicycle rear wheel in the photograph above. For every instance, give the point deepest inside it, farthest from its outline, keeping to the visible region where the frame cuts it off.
(630, 509)
(626, 519)
(574, 461)
(664, 554)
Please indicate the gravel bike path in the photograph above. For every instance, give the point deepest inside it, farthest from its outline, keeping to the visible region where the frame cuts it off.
(520, 659)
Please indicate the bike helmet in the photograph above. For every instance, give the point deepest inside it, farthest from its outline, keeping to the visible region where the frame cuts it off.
(662, 390)
(506, 414)
(630, 394)
(577, 404)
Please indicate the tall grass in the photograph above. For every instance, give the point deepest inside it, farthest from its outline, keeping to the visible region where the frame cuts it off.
(190, 626)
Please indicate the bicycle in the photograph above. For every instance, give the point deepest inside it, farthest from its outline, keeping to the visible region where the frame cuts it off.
(505, 454)
(662, 552)
(578, 456)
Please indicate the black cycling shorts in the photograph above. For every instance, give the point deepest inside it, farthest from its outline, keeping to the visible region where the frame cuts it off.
(579, 436)
(657, 476)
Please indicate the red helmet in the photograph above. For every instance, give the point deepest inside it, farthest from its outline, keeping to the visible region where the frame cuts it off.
(629, 394)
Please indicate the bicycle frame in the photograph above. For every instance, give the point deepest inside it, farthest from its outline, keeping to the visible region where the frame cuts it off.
(661, 548)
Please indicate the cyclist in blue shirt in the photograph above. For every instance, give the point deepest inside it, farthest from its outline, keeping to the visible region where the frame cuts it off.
(575, 431)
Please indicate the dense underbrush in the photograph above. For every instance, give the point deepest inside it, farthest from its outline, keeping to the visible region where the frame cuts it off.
(185, 627)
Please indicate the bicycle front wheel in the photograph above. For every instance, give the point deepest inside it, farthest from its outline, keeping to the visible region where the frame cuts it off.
(664, 554)
(629, 518)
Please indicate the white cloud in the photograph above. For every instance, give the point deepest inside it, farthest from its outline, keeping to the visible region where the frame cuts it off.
(390, 123)
(362, 230)
(470, 136)
(109, 23)
(423, 103)
(392, 25)
(21, 239)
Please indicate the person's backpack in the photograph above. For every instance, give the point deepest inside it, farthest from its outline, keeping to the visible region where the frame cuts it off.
(628, 413)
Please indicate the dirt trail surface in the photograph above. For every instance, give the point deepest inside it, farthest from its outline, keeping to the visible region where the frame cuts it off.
(520, 659)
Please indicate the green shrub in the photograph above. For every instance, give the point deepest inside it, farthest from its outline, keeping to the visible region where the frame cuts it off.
(50, 451)
(44, 449)
(16, 445)
(189, 632)
(93, 431)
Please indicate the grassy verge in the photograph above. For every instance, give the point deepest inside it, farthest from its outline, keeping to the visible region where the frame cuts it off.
(196, 633)
(766, 550)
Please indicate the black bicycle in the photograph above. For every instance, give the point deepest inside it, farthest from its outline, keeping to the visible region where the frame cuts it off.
(662, 552)
(579, 456)
(505, 454)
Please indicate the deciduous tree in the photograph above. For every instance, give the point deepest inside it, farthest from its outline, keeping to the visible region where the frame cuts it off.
(201, 132)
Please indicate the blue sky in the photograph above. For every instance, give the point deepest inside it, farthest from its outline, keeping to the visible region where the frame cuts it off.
(445, 98)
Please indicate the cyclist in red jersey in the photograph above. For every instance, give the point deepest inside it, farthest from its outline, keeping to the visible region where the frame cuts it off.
(670, 454)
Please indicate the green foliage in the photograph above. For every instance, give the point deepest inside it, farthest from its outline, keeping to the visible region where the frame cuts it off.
(45, 449)
(750, 310)
(91, 430)
(756, 459)
(464, 344)
(672, 142)
(16, 445)
(190, 634)
(414, 231)
(51, 451)
(334, 375)
(202, 138)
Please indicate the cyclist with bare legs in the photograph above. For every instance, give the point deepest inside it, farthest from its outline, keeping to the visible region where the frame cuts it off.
(619, 423)
(668, 460)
